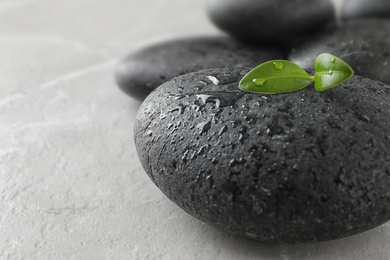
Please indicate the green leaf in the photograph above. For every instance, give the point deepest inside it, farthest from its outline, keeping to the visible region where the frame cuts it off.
(330, 71)
(275, 77)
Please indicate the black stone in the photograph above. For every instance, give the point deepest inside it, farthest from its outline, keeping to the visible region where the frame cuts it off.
(142, 72)
(275, 21)
(363, 44)
(298, 167)
(353, 9)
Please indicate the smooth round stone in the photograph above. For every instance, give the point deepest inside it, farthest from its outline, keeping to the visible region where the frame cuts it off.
(363, 44)
(275, 21)
(353, 9)
(298, 167)
(143, 71)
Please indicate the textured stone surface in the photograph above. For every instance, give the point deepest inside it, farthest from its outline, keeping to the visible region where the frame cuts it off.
(71, 184)
(142, 72)
(295, 167)
(274, 21)
(363, 44)
(353, 9)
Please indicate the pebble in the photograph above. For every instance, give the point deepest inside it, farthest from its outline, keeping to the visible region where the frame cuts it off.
(270, 21)
(354, 9)
(297, 167)
(143, 71)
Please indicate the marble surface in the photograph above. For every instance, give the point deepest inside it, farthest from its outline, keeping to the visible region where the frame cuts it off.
(71, 186)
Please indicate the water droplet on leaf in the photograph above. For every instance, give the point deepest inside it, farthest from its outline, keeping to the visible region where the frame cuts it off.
(259, 82)
(330, 72)
(333, 60)
(278, 65)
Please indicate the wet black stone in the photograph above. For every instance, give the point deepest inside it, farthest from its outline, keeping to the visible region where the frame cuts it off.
(143, 71)
(353, 9)
(296, 167)
(275, 21)
(363, 44)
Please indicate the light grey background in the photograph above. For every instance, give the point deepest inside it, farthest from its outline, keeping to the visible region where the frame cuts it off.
(71, 186)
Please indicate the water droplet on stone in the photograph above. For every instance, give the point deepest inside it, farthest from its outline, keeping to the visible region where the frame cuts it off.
(184, 158)
(214, 80)
(149, 133)
(162, 116)
(204, 127)
(223, 130)
(179, 108)
(364, 118)
(196, 108)
(178, 97)
(278, 65)
(204, 98)
(201, 150)
(232, 162)
(217, 103)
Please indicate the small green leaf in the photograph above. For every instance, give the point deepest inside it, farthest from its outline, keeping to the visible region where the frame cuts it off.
(275, 77)
(330, 71)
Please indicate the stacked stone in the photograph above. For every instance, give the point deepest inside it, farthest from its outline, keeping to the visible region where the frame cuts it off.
(296, 167)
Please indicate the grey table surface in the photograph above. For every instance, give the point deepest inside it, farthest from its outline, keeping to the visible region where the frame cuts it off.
(71, 186)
